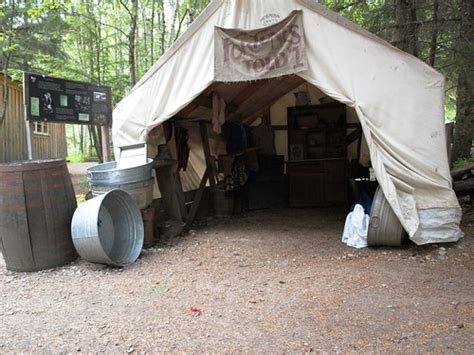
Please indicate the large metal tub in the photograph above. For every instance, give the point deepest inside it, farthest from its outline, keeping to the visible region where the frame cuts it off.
(141, 192)
(108, 229)
(384, 227)
(109, 174)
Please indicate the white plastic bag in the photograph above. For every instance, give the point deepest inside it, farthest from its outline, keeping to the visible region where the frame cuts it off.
(356, 227)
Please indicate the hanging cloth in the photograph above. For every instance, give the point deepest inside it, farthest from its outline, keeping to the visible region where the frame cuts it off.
(218, 112)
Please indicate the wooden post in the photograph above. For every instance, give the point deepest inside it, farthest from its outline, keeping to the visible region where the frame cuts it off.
(28, 124)
(105, 143)
(197, 198)
(168, 186)
(29, 136)
(207, 153)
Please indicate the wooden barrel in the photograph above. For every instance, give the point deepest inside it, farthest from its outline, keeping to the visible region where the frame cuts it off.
(37, 202)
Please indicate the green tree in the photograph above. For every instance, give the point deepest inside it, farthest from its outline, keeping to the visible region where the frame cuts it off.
(30, 35)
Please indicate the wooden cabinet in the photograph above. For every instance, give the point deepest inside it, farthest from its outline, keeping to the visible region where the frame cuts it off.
(317, 152)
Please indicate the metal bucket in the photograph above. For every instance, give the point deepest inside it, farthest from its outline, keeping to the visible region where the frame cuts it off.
(108, 229)
(384, 227)
(141, 192)
(109, 174)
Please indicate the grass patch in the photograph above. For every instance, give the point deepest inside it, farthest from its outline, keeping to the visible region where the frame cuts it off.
(80, 198)
(77, 158)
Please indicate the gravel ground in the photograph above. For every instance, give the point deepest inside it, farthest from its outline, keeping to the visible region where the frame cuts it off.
(268, 281)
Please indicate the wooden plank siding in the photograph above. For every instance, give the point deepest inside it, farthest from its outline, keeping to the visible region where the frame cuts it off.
(13, 136)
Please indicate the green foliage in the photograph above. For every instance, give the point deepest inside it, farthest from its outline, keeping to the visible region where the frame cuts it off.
(460, 163)
(28, 31)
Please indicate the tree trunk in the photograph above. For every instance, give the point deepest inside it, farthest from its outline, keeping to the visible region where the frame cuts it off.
(152, 31)
(145, 34)
(96, 141)
(132, 42)
(3, 109)
(434, 34)
(81, 140)
(407, 26)
(163, 30)
(464, 129)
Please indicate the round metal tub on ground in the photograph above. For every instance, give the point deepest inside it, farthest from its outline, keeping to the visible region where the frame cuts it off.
(384, 227)
(108, 229)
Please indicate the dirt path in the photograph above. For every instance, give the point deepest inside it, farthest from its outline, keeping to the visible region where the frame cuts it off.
(270, 281)
(78, 176)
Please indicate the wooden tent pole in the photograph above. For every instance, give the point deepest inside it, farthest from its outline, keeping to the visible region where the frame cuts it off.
(207, 153)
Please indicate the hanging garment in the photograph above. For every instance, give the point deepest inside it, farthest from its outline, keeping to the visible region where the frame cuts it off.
(264, 139)
(182, 136)
(234, 136)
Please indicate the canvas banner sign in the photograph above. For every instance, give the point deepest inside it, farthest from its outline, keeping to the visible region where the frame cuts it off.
(263, 53)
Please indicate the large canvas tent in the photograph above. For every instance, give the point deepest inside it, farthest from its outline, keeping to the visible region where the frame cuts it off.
(398, 99)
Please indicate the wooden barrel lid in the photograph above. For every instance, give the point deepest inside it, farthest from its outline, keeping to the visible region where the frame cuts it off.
(31, 165)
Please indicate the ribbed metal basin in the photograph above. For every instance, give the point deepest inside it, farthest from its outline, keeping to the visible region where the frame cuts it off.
(109, 174)
(108, 229)
(384, 227)
(141, 192)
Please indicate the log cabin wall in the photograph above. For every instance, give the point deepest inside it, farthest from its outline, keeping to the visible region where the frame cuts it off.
(13, 136)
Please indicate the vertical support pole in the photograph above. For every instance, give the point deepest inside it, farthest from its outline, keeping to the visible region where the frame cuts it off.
(207, 153)
(105, 143)
(28, 125)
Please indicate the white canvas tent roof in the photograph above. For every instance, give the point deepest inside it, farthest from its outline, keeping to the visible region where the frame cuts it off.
(399, 101)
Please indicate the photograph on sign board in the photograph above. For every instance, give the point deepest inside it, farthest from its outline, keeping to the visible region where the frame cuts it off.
(63, 101)
(47, 102)
(35, 106)
(82, 103)
(100, 96)
(84, 117)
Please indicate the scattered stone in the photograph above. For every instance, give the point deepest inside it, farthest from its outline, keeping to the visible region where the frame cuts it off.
(442, 253)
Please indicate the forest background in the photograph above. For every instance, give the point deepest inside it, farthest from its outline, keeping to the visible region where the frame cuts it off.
(115, 42)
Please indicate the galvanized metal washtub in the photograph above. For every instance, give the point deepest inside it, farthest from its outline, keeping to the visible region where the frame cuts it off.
(384, 227)
(108, 229)
(110, 174)
(136, 181)
(141, 192)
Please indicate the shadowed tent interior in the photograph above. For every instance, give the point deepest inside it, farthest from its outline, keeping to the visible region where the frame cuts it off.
(247, 102)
